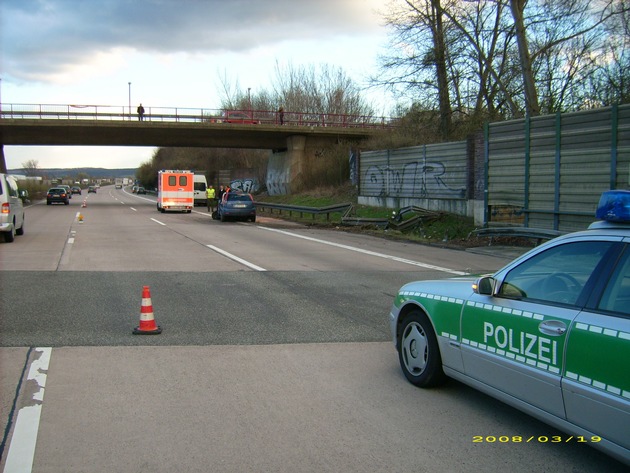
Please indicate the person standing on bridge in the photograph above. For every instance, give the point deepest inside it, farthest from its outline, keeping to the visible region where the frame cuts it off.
(140, 112)
(281, 115)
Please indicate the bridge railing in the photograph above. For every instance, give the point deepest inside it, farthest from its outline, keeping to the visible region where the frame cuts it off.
(190, 115)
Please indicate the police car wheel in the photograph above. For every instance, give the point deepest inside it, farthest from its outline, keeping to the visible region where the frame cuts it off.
(418, 351)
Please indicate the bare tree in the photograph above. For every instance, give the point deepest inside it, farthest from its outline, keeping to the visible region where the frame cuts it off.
(532, 106)
(519, 56)
(31, 167)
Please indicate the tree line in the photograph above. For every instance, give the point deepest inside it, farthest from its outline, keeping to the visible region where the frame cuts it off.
(501, 59)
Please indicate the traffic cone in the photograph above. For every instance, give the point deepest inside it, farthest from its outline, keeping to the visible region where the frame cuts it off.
(147, 322)
(84, 203)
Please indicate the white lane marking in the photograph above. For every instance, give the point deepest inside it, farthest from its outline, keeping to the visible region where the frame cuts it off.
(206, 214)
(22, 449)
(133, 209)
(368, 252)
(236, 258)
(157, 221)
(71, 240)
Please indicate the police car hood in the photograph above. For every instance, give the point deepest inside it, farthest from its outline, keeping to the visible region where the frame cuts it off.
(456, 287)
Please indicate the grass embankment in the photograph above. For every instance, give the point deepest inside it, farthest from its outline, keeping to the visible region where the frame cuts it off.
(435, 227)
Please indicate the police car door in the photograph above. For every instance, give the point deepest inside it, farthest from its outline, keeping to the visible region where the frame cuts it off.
(514, 341)
(596, 384)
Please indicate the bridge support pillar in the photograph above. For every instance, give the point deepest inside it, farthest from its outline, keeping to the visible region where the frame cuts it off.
(287, 170)
(3, 163)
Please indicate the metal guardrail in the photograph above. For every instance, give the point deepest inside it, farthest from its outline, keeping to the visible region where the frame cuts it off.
(189, 115)
(346, 210)
(337, 208)
(538, 234)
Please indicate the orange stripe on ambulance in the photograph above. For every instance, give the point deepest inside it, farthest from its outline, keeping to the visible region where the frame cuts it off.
(523, 343)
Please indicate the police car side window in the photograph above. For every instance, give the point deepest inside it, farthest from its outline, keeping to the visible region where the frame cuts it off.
(616, 297)
(557, 275)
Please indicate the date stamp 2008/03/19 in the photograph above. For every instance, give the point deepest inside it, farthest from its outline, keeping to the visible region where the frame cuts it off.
(535, 438)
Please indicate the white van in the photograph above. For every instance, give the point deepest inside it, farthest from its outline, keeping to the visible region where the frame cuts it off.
(200, 190)
(12, 213)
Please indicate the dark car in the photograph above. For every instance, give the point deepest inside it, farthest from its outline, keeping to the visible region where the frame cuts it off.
(141, 190)
(57, 195)
(75, 190)
(92, 189)
(235, 205)
(67, 189)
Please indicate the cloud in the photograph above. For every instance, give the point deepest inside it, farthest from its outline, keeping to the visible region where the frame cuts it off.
(43, 38)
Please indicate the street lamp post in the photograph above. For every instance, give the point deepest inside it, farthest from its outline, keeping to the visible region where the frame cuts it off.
(249, 100)
(129, 101)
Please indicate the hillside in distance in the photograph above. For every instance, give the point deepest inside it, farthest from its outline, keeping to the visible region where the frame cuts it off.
(96, 173)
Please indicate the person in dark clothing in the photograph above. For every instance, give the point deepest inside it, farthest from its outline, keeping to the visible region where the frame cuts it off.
(140, 112)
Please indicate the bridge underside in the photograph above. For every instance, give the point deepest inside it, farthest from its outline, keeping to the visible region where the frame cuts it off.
(291, 146)
(134, 133)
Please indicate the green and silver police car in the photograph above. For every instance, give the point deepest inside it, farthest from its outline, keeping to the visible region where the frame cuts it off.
(548, 334)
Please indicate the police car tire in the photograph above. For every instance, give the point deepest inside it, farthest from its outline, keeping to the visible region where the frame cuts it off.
(418, 351)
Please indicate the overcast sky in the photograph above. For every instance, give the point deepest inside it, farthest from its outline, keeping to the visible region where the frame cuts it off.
(174, 53)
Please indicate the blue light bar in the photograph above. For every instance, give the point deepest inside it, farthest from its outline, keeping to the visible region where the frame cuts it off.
(614, 206)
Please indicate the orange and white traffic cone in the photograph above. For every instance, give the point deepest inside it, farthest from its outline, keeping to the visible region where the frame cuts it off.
(84, 203)
(147, 321)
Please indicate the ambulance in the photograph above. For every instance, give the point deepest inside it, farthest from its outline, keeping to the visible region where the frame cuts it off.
(175, 191)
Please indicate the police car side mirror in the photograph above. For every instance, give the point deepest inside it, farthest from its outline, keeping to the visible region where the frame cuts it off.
(484, 286)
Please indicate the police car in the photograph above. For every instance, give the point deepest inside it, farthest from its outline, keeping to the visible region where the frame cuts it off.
(548, 334)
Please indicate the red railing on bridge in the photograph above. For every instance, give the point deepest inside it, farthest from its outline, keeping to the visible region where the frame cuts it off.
(190, 115)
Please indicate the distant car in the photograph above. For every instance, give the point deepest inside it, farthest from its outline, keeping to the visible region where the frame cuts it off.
(141, 190)
(57, 195)
(548, 334)
(67, 188)
(75, 190)
(232, 116)
(235, 205)
(92, 189)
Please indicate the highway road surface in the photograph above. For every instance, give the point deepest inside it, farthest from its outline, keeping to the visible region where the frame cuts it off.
(274, 354)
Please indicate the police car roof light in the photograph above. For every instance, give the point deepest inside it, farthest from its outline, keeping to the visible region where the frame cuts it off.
(614, 206)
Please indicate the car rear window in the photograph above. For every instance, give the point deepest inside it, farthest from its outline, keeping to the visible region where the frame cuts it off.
(243, 197)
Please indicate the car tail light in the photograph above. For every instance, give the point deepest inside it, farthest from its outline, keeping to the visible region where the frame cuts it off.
(6, 208)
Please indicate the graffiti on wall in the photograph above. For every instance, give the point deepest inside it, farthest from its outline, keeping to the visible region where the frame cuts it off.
(414, 179)
(277, 182)
(245, 185)
(354, 171)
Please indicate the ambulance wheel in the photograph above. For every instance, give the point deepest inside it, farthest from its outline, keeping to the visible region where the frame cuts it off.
(418, 351)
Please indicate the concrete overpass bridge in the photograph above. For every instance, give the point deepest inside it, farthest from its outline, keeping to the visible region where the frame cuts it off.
(292, 139)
